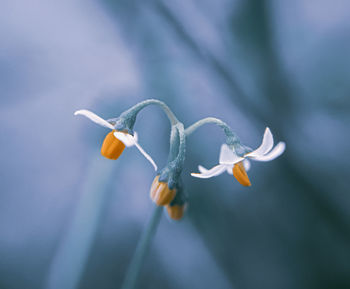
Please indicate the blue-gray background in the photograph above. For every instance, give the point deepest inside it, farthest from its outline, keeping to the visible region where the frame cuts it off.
(70, 219)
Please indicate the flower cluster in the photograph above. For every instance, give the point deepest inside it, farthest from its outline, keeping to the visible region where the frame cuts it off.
(166, 189)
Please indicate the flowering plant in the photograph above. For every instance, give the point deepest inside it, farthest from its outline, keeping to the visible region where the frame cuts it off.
(166, 189)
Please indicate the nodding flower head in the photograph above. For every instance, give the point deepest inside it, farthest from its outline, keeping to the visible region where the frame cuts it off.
(238, 164)
(160, 192)
(116, 140)
(167, 190)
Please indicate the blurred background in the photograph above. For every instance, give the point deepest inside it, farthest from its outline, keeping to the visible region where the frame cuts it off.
(71, 219)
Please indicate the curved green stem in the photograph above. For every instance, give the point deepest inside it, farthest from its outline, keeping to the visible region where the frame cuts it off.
(141, 250)
(174, 143)
(232, 138)
(138, 107)
(177, 146)
(182, 145)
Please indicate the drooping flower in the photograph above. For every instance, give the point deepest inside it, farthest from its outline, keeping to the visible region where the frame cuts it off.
(172, 199)
(167, 190)
(160, 192)
(237, 165)
(115, 141)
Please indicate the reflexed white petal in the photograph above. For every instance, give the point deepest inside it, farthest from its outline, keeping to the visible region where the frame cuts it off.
(130, 140)
(202, 169)
(265, 147)
(215, 171)
(229, 169)
(94, 117)
(146, 155)
(225, 153)
(126, 138)
(246, 164)
(228, 156)
(276, 152)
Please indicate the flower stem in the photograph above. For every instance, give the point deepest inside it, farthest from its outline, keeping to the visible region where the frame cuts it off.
(141, 250)
(141, 105)
(231, 137)
(180, 158)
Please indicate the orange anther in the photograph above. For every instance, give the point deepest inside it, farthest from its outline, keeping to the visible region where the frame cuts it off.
(160, 192)
(241, 175)
(175, 212)
(112, 147)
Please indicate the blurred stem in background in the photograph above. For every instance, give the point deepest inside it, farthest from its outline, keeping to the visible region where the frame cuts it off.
(72, 255)
(142, 248)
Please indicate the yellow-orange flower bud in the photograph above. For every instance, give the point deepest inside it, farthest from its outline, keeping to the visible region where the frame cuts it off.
(112, 147)
(176, 212)
(240, 174)
(160, 192)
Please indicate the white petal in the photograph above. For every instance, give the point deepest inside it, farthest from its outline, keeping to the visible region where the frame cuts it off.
(246, 164)
(228, 156)
(146, 155)
(265, 147)
(130, 140)
(94, 117)
(276, 152)
(202, 169)
(213, 172)
(126, 138)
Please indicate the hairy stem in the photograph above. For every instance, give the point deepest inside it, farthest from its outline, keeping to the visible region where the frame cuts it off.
(174, 143)
(232, 138)
(182, 146)
(138, 107)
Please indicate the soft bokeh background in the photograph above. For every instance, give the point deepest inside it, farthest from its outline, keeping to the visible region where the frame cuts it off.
(71, 219)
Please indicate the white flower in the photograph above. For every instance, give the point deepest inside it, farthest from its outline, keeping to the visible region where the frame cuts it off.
(230, 162)
(127, 139)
